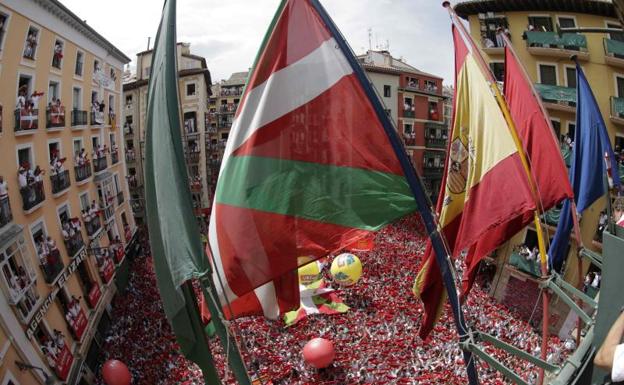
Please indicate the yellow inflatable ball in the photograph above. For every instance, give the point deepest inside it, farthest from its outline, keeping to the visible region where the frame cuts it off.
(346, 269)
(309, 273)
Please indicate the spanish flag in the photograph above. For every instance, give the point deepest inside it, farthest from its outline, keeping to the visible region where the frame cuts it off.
(486, 185)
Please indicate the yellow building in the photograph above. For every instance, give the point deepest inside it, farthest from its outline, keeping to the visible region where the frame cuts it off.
(65, 221)
(194, 85)
(532, 27)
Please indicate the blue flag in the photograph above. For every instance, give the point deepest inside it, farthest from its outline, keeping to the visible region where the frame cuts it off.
(588, 170)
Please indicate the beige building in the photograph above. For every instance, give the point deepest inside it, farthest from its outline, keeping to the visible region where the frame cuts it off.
(65, 220)
(546, 56)
(222, 105)
(195, 89)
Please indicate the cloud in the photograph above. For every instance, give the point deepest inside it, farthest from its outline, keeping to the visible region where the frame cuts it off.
(228, 33)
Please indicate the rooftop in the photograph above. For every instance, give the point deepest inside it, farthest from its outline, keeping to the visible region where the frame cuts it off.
(464, 8)
(383, 61)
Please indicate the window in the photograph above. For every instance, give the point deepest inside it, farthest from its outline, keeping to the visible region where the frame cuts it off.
(57, 54)
(190, 89)
(18, 275)
(387, 91)
(30, 47)
(556, 126)
(566, 22)
(76, 98)
(4, 19)
(618, 36)
(24, 157)
(24, 90)
(53, 92)
(571, 77)
(96, 66)
(190, 122)
(620, 86)
(541, 23)
(498, 69)
(146, 71)
(548, 74)
(54, 150)
(224, 136)
(47, 252)
(77, 146)
(84, 201)
(408, 129)
(79, 63)
(129, 100)
(490, 31)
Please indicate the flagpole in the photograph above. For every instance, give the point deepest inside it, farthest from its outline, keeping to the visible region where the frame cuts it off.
(424, 204)
(514, 133)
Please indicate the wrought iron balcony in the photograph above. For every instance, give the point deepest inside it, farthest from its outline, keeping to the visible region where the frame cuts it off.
(55, 117)
(52, 265)
(73, 243)
(93, 226)
(109, 212)
(78, 118)
(60, 181)
(6, 215)
(32, 195)
(100, 164)
(82, 172)
(26, 120)
(97, 118)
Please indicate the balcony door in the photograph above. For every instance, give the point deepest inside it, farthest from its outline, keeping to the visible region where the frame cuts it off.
(541, 23)
(548, 74)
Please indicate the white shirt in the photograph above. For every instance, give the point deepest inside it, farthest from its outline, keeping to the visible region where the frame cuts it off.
(617, 373)
(23, 182)
(3, 189)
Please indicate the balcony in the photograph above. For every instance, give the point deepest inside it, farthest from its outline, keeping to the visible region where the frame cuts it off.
(93, 225)
(408, 114)
(435, 142)
(229, 108)
(6, 215)
(552, 45)
(18, 283)
(51, 265)
(109, 212)
(617, 110)
(100, 164)
(32, 195)
(97, 118)
(55, 117)
(192, 157)
(137, 206)
(433, 172)
(73, 242)
(234, 91)
(529, 266)
(427, 89)
(83, 172)
(128, 131)
(114, 157)
(60, 181)
(614, 52)
(225, 124)
(557, 97)
(120, 198)
(130, 156)
(195, 184)
(26, 120)
(78, 118)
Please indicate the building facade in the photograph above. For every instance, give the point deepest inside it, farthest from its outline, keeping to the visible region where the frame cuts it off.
(416, 102)
(545, 54)
(195, 89)
(65, 220)
(222, 106)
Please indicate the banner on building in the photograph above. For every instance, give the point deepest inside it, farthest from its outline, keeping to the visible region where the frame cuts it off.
(94, 295)
(64, 360)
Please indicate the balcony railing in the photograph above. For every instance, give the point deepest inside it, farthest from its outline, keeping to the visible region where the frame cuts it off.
(617, 107)
(55, 117)
(6, 215)
(614, 48)
(73, 243)
(225, 124)
(60, 181)
(192, 156)
(430, 89)
(435, 142)
(32, 195)
(82, 172)
(551, 40)
(228, 108)
(235, 91)
(120, 198)
(26, 119)
(408, 113)
(78, 118)
(557, 95)
(97, 118)
(114, 157)
(100, 164)
(432, 171)
(52, 265)
(93, 226)
(552, 216)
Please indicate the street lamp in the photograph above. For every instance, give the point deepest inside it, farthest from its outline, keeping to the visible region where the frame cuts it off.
(48, 379)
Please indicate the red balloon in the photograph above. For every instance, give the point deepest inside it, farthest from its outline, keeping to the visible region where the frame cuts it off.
(319, 353)
(116, 373)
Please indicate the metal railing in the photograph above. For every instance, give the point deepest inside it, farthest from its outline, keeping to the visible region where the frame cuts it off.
(97, 118)
(617, 107)
(52, 266)
(74, 243)
(435, 142)
(100, 164)
(32, 195)
(82, 172)
(557, 94)
(614, 48)
(109, 212)
(93, 225)
(78, 118)
(60, 181)
(55, 117)
(567, 41)
(408, 113)
(26, 119)
(6, 215)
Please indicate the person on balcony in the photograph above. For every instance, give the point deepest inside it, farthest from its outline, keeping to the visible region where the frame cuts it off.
(58, 55)
(486, 42)
(83, 157)
(75, 224)
(74, 307)
(94, 210)
(51, 358)
(31, 43)
(59, 339)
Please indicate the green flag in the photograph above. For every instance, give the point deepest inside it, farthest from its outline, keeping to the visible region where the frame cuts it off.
(174, 235)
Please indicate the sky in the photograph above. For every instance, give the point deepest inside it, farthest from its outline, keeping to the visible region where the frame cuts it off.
(228, 33)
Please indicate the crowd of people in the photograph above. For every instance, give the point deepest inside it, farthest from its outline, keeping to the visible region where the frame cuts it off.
(376, 341)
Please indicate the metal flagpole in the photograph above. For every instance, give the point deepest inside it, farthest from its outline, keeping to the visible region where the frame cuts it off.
(424, 204)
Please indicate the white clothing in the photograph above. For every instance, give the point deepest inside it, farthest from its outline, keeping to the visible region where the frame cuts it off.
(23, 182)
(4, 190)
(617, 371)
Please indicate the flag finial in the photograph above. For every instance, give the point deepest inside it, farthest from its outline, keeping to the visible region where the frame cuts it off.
(446, 4)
